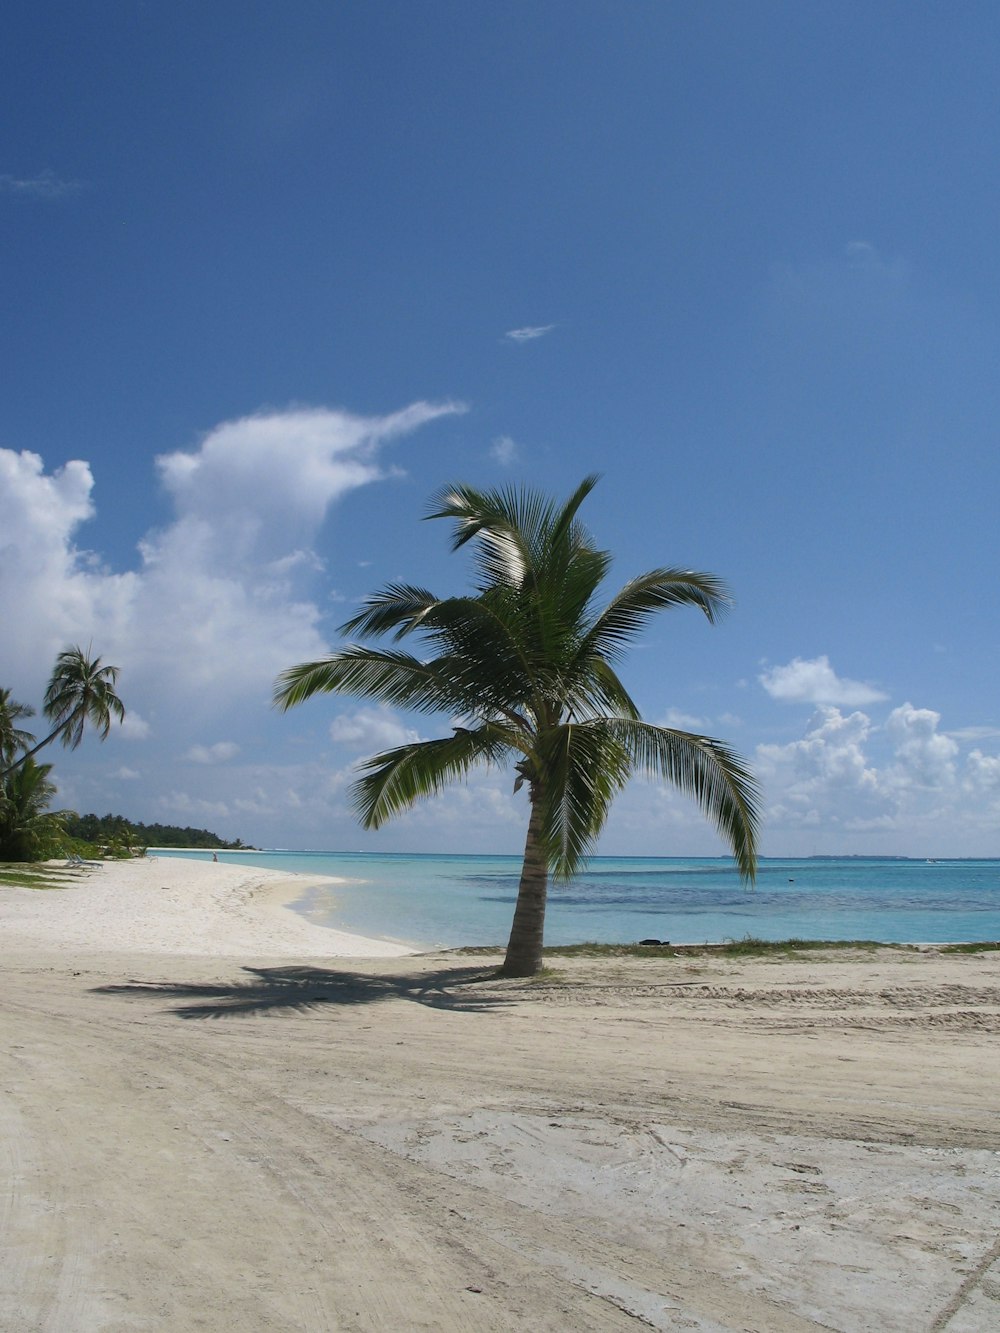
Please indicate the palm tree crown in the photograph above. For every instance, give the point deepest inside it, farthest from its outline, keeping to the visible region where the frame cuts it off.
(527, 667)
(81, 691)
(12, 738)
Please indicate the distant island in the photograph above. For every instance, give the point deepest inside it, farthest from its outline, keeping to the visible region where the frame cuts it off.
(115, 830)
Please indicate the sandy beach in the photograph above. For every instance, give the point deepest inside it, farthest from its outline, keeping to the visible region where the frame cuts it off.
(216, 1115)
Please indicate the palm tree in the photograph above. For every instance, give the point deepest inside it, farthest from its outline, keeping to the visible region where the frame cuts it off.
(28, 830)
(80, 691)
(12, 738)
(526, 669)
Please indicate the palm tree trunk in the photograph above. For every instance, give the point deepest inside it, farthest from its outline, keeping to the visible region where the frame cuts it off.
(524, 948)
(28, 754)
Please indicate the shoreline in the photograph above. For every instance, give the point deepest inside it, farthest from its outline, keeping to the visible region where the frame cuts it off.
(176, 905)
(435, 901)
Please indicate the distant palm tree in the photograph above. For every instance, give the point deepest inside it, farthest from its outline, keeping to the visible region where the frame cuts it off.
(526, 669)
(12, 738)
(80, 691)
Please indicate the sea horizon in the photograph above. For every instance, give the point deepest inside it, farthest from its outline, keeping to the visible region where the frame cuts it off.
(449, 900)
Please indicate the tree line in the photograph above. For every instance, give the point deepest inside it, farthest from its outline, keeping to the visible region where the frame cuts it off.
(111, 830)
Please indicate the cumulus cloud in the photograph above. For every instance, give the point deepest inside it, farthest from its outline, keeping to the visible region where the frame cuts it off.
(255, 484)
(135, 727)
(814, 681)
(923, 755)
(219, 602)
(529, 333)
(851, 783)
(219, 753)
(982, 772)
(369, 730)
(52, 591)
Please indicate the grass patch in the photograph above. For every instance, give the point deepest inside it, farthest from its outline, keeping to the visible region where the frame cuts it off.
(16, 875)
(987, 946)
(749, 946)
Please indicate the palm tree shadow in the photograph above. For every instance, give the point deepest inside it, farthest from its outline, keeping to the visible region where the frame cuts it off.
(303, 989)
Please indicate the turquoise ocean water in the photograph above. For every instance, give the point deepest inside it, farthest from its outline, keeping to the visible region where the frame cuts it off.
(448, 901)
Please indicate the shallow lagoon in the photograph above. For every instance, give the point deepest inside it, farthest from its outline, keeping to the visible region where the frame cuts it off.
(448, 901)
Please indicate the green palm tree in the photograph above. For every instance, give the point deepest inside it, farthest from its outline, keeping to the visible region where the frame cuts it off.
(28, 830)
(12, 738)
(80, 691)
(526, 668)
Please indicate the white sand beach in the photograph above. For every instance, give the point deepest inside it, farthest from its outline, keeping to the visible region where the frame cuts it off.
(173, 905)
(218, 1116)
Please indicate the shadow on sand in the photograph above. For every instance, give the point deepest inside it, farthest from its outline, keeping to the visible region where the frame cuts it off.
(300, 989)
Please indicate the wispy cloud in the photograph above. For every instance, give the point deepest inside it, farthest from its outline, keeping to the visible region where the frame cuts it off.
(504, 450)
(529, 333)
(814, 681)
(46, 185)
(219, 753)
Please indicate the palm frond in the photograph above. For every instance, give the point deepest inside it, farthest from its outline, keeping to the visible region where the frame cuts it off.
(563, 525)
(393, 780)
(597, 692)
(371, 673)
(399, 606)
(585, 766)
(642, 597)
(712, 772)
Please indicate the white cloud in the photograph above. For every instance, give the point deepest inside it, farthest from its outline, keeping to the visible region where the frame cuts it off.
(814, 681)
(126, 774)
(922, 754)
(182, 804)
(982, 772)
(53, 593)
(215, 609)
(46, 185)
(369, 730)
(673, 717)
(255, 484)
(504, 450)
(219, 753)
(529, 333)
(974, 733)
(851, 785)
(135, 727)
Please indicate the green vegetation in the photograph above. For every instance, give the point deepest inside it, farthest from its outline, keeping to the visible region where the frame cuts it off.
(29, 831)
(989, 946)
(80, 692)
(747, 947)
(527, 668)
(111, 830)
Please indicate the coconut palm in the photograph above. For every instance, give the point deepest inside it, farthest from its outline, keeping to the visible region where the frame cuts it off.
(526, 667)
(80, 692)
(12, 738)
(28, 830)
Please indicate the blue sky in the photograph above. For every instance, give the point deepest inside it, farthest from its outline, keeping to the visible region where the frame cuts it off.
(273, 275)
